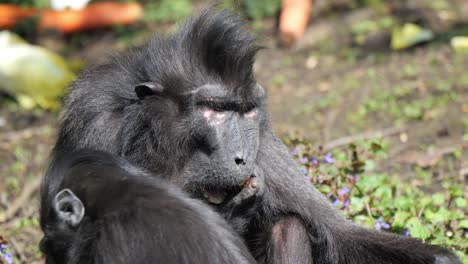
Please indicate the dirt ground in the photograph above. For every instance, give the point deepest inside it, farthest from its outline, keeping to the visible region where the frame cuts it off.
(323, 90)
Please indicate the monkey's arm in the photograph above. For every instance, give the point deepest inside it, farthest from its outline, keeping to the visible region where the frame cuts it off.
(289, 242)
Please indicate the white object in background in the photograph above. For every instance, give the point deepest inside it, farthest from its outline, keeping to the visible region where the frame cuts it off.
(34, 75)
(64, 4)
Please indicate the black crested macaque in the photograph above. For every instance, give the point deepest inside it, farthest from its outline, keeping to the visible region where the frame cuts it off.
(96, 208)
(189, 106)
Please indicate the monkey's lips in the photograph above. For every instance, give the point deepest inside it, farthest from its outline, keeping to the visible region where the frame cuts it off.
(234, 195)
(215, 196)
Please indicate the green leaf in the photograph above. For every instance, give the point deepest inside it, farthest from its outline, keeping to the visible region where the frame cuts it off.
(460, 202)
(370, 165)
(424, 201)
(438, 199)
(403, 203)
(168, 10)
(456, 191)
(376, 147)
(412, 111)
(399, 220)
(465, 137)
(356, 205)
(364, 27)
(463, 224)
(417, 229)
(364, 220)
(325, 189)
(371, 182)
(383, 192)
(441, 215)
(261, 8)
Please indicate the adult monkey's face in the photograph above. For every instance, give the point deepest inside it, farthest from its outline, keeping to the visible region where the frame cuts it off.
(211, 133)
(226, 141)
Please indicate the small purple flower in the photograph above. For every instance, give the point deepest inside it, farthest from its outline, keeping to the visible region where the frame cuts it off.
(343, 191)
(406, 233)
(336, 202)
(295, 152)
(4, 255)
(303, 170)
(8, 258)
(346, 203)
(328, 158)
(314, 160)
(303, 160)
(355, 178)
(380, 224)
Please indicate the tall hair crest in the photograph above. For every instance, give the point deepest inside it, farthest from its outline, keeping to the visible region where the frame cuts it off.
(221, 42)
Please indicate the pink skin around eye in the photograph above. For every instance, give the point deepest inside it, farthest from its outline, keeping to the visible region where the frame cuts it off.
(251, 114)
(219, 115)
(213, 117)
(207, 114)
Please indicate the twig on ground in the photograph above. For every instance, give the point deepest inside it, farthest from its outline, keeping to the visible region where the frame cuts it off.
(369, 210)
(17, 249)
(362, 136)
(17, 204)
(462, 173)
(330, 119)
(24, 133)
(397, 150)
(427, 159)
(421, 212)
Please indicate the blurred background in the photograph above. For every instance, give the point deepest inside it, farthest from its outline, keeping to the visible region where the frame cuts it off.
(370, 95)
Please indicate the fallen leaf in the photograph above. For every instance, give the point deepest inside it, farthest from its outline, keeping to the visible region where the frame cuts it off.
(409, 35)
(460, 44)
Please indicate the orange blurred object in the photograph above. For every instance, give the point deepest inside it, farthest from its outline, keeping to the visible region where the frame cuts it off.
(11, 14)
(293, 20)
(96, 15)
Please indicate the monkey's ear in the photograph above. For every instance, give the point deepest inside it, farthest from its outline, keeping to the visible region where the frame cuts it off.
(145, 89)
(69, 208)
(259, 91)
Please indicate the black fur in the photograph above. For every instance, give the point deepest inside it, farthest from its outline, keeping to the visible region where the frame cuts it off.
(130, 217)
(163, 133)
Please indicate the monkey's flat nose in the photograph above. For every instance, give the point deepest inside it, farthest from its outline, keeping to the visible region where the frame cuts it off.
(239, 161)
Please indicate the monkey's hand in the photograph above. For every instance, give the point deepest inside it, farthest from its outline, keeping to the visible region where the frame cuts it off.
(252, 187)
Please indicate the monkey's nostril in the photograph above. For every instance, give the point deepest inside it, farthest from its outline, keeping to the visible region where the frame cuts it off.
(239, 161)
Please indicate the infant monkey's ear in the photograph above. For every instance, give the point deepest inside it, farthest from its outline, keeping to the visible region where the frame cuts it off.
(69, 208)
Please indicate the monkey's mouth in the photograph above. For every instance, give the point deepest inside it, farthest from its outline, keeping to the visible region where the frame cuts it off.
(218, 196)
(232, 195)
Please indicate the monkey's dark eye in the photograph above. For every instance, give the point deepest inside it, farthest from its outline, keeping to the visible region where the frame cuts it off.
(212, 105)
(146, 89)
(216, 109)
